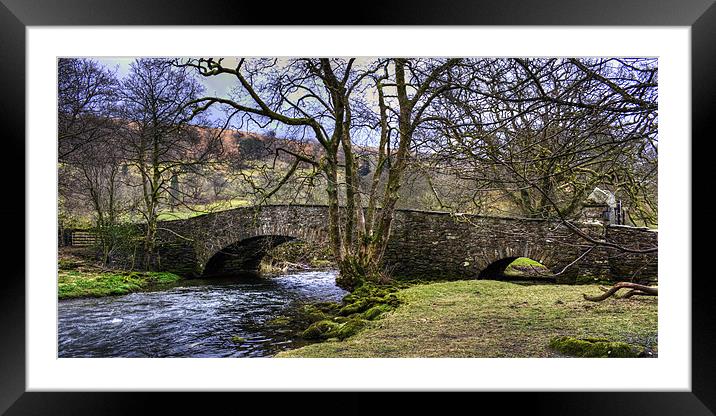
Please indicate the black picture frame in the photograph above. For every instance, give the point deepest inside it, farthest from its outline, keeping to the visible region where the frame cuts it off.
(16, 15)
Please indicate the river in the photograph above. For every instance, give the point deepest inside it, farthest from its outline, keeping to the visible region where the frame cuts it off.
(219, 317)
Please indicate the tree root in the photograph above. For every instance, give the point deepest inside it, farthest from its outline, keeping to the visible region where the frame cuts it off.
(636, 289)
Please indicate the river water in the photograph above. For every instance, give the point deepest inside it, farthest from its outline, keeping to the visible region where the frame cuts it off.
(220, 317)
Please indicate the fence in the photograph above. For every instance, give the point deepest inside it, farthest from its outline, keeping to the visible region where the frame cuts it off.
(77, 238)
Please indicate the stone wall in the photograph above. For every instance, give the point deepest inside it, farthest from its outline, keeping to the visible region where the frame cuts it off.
(634, 267)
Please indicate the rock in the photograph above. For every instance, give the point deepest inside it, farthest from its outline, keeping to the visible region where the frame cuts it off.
(594, 348)
(320, 330)
(601, 196)
(376, 311)
(349, 328)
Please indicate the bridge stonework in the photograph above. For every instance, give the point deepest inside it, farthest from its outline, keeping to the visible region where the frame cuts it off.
(422, 244)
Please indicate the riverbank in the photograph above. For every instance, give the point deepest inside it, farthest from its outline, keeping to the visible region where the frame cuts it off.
(484, 318)
(79, 276)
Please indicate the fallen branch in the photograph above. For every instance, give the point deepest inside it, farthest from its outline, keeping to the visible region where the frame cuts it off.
(636, 289)
(635, 292)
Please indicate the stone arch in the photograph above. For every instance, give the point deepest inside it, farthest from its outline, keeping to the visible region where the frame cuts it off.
(243, 256)
(231, 238)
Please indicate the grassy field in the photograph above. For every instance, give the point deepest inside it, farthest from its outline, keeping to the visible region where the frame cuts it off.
(483, 318)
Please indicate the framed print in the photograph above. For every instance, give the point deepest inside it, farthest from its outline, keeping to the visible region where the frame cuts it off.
(506, 89)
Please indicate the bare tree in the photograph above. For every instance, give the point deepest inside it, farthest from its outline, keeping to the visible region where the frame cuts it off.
(85, 97)
(158, 142)
(314, 100)
(565, 125)
(89, 160)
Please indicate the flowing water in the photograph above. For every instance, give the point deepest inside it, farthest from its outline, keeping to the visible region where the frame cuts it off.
(224, 317)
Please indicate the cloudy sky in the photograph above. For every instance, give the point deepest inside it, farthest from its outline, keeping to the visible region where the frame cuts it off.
(218, 85)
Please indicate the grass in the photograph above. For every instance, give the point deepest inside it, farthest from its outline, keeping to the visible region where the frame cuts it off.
(81, 283)
(483, 318)
(183, 213)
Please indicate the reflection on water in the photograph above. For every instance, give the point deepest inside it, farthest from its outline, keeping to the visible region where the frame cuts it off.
(196, 318)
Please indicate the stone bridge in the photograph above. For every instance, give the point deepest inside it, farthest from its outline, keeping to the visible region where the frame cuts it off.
(424, 244)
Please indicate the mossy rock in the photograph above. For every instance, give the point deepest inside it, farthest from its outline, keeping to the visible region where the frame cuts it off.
(593, 348)
(327, 307)
(526, 268)
(376, 311)
(368, 290)
(356, 304)
(320, 330)
(329, 329)
(312, 313)
(347, 329)
(392, 300)
(357, 307)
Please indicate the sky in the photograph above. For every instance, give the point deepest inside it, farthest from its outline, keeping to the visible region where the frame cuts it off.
(218, 85)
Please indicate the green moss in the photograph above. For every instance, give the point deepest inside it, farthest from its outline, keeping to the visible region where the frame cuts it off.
(73, 284)
(347, 329)
(323, 330)
(368, 300)
(327, 307)
(238, 340)
(525, 262)
(320, 330)
(526, 267)
(358, 306)
(372, 290)
(367, 296)
(376, 311)
(311, 313)
(593, 348)
(164, 277)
